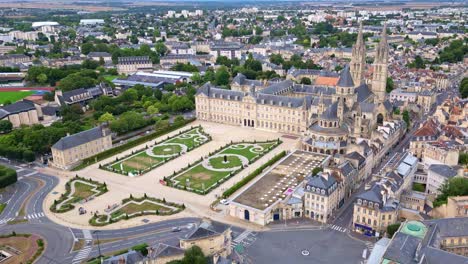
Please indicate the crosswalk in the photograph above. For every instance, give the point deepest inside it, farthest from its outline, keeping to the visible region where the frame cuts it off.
(245, 239)
(34, 216)
(370, 246)
(338, 228)
(84, 252)
(6, 220)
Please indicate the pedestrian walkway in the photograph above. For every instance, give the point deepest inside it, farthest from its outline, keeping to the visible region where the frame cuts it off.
(35, 216)
(6, 220)
(338, 228)
(370, 246)
(84, 252)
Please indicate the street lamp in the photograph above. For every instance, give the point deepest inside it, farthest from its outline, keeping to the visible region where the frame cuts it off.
(99, 247)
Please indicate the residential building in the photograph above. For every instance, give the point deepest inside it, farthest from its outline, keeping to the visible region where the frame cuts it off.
(128, 65)
(437, 175)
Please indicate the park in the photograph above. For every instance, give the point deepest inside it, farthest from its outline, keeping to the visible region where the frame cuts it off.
(152, 157)
(209, 172)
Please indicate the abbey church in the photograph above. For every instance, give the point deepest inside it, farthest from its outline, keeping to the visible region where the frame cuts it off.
(327, 117)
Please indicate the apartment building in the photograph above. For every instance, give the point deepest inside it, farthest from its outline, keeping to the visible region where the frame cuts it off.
(127, 65)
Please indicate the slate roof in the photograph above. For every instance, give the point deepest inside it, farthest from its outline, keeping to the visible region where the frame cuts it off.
(79, 138)
(15, 108)
(345, 80)
(206, 229)
(131, 257)
(331, 112)
(363, 92)
(164, 250)
(373, 194)
(318, 181)
(443, 170)
(402, 248)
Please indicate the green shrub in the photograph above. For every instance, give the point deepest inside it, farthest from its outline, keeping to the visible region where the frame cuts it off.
(391, 229)
(142, 248)
(7, 176)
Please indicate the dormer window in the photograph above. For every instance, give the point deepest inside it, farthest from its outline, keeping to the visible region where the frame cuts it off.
(359, 201)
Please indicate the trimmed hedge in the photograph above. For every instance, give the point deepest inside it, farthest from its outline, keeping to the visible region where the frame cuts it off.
(169, 182)
(136, 152)
(252, 175)
(93, 221)
(113, 151)
(7, 176)
(101, 187)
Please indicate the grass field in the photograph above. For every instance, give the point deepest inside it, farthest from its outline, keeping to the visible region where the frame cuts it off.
(145, 160)
(14, 96)
(110, 78)
(201, 177)
(83, 191)
(131, 208)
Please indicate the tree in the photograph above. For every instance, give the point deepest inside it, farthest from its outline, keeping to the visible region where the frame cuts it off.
(463, 159)
(391, 229)
(193, 255)
(152, 110)
(71, 113)
(406, 118)
(106, 117)
(5, 126)
(456, 186)
(86, 48)
(463, 88)
(390, 85)
(316, 170)
(42, 78)
(222, 76)
(306, 80)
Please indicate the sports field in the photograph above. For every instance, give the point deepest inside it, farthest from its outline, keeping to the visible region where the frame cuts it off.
(203, 176)
(14, 96)
(156, 155)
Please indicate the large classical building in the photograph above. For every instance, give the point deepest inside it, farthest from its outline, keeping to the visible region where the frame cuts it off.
(328, 116)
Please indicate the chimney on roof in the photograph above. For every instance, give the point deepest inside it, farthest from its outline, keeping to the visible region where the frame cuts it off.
(325, 175)
(68, 134)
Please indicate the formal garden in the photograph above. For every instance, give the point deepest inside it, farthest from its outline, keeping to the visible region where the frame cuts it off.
(133, 207)
(219, 166)
(142, 161)
(78, 190)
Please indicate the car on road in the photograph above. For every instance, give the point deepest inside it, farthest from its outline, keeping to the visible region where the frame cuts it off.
(224, 201)
(176, 229)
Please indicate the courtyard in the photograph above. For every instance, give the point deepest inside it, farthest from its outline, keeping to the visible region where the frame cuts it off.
(151, 157)
(209, 172)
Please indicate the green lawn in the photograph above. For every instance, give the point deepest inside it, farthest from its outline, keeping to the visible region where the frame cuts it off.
(2, 207)
(110, 78)
(83, 191)
(142, 161)
(131, 208)
(201, 178)
(14, 96)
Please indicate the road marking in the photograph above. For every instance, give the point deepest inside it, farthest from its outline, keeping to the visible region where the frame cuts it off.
(30, 174)
(20, 170)
(4, 221)
(82, 254)
(87, 234)
(242, 236)
(338, 228)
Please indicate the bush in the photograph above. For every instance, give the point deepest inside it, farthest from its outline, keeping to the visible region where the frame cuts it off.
(391, 229)
(142, 248)
(7, 176)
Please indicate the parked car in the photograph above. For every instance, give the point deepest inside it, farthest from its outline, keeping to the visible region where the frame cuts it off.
(176, 229)
(224, 201)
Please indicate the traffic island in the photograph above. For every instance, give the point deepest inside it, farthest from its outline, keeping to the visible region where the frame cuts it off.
(133, 207)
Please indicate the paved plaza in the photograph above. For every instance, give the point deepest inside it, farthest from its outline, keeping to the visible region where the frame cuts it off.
(319, 246)
(121, 186)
